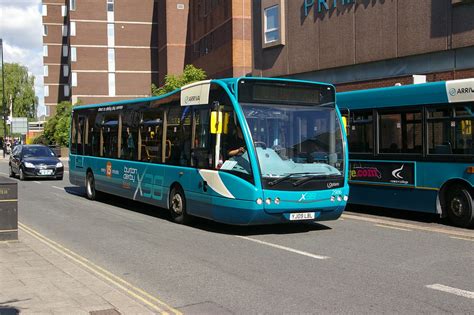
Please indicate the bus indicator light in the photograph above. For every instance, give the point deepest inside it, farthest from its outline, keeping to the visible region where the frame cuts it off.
(470, 170)
(277, 201)
(259, 201)
(268, 201)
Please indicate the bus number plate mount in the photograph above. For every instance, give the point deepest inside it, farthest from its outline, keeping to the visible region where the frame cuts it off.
(302, 216)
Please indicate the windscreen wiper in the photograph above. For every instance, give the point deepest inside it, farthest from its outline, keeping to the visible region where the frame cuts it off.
(280, 179)
(307, 179)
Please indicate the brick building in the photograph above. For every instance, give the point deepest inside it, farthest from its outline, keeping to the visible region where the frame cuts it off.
(365, 43)
(106, 50)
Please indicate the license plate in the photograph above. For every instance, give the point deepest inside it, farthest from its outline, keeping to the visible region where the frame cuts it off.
(302, 216)
(46, 172)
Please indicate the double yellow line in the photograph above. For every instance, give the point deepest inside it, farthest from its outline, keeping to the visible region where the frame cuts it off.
(109, 277)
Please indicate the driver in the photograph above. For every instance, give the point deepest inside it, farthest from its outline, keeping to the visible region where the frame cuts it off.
(236, 144)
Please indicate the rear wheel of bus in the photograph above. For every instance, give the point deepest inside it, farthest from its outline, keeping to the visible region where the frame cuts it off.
(459, 206)
(178, 206)
(90, 186)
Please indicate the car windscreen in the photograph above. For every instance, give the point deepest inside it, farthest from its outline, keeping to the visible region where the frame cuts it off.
(37, 152)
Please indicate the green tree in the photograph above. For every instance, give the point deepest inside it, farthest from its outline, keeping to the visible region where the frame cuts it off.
(56, 129)
(19, 91)
(172, 82)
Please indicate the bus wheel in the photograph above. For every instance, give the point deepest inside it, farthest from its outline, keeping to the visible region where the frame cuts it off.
(178, 206)
(90, 186)
(459, 206)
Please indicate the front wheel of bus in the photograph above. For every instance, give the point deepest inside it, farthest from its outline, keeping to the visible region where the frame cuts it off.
(90, 186)
(178, 206)
(459, 206)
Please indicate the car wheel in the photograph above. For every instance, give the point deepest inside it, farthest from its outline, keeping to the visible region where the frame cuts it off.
(459, 206)
(90, 186)
(22, 175)
(178, 206)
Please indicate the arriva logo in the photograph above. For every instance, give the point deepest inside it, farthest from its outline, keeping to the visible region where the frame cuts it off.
(192, 99)
(396, 173)
(467, 90)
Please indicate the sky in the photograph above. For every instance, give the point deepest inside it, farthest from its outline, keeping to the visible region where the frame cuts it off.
(22, 33)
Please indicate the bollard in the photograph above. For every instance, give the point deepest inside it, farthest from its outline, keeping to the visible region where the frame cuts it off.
(8, 209)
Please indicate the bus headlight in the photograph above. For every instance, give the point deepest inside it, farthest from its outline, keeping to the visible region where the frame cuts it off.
(259, 201)
(333, 198)
(346, 198)
(339, 198)
(277, 201)
(268, 201)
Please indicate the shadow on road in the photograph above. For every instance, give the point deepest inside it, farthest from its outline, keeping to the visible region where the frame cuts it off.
(199, 223)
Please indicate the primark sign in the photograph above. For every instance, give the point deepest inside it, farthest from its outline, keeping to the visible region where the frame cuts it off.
(324, 4)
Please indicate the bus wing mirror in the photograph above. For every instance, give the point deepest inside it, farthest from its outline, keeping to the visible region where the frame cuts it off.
(216, 122)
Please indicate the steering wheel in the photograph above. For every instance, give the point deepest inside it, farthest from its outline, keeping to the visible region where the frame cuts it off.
(260, 144)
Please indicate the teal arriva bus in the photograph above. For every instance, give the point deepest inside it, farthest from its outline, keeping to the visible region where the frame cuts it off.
(411, 147)
(238, 151)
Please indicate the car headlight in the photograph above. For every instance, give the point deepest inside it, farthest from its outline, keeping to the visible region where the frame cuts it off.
(29, 165)
(59, 164)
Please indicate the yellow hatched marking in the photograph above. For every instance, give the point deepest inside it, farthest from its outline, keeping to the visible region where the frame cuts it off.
(103, 273)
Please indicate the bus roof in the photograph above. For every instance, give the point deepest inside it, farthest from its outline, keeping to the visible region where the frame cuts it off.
(408, 95)
(229, 82)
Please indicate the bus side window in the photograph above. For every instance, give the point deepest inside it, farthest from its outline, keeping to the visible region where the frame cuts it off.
(201, 152)
(129, 141)
(73, 134)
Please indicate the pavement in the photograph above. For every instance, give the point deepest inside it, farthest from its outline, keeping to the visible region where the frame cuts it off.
(37, 279)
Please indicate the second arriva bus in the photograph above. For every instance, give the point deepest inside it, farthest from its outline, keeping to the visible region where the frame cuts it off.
(412, 148)
(238, 151)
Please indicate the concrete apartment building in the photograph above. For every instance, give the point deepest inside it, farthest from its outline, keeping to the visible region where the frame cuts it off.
(364, 43)
(104, 50)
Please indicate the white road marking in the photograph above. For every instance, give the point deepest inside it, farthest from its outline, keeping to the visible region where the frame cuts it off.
(444, 288)
(434, 228)
(4, 173)
(284, 248)
(463, 238)
(392, 227)
(58, 187)
(37, 182)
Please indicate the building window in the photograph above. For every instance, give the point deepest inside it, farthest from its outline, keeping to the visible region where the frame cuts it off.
(45, 30)
(72, 5)
(73, 54)
(66, 90)
(74, 79)
(73, 29)
(63, 10)
(111, 84)
(44, 10)
(66, 70)
(46, 90)
(65, 50)
(45, 51)
(64, 29)
(110, 35)
(271, 24)
(111, 60)
(45, 71)
(48, 110)
(110, 5)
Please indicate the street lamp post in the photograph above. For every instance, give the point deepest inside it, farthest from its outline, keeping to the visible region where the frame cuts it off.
(3, 101)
